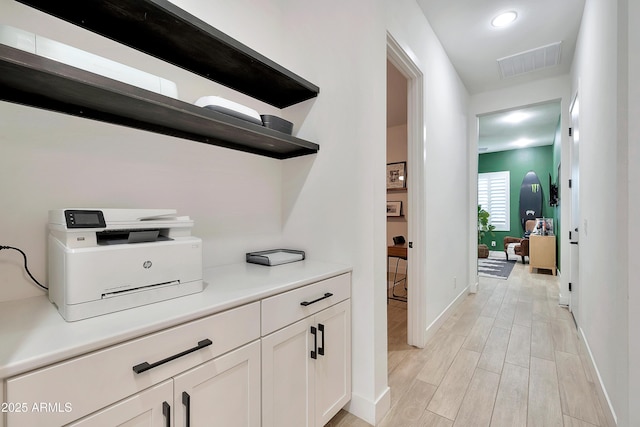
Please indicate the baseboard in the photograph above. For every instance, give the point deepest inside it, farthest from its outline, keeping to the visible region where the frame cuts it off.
(563, 299)
(473, 288)
(365, 409)
(435, 325)
(603, 396)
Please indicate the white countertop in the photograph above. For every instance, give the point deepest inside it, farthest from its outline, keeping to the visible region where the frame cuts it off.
(33, 334)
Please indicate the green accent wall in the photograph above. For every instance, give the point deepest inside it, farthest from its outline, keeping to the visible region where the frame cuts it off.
(518, 163)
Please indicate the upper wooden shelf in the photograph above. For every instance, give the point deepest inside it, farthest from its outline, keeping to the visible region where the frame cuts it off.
(36, 81)
(161, 29)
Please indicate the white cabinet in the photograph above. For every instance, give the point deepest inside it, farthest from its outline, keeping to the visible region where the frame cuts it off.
(284, 360)
(306, 366)
(150, 408)
(97, 380)
(225, 391)
(222, 392)
(288, 377)
(333, 365)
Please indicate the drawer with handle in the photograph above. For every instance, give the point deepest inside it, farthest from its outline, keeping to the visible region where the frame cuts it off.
(284, 309)
(90, 382)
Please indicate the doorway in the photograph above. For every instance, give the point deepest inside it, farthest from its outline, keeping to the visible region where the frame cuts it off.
(397, 188)
(413, 196)
(517, 154)
(397, 211)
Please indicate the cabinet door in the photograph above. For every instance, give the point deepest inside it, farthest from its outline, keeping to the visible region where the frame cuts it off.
(149, 408)
(287, 376)
(223, 392)
(542, 252)
(333, 367)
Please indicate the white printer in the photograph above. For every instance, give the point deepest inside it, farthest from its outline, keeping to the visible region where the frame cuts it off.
(106, 260)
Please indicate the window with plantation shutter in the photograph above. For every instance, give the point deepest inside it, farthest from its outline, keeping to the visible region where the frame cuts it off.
(493, 196)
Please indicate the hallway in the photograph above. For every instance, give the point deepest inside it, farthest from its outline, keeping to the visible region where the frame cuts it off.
(508, 356)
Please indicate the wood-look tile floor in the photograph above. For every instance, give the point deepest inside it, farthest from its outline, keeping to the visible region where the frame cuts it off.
(508, 356)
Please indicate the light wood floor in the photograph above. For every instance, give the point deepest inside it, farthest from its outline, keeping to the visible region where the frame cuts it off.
(508, 356)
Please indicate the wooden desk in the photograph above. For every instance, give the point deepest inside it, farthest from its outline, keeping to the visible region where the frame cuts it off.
(397, 252)
(542, 253)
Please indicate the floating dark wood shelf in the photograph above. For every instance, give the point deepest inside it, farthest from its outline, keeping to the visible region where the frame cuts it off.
(32, 80)
(397, 190)
(161, 29)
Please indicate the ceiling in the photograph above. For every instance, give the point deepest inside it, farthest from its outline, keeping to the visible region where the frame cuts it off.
(531, 126)
(474, 48)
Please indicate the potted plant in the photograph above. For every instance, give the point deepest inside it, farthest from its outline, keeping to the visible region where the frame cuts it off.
(483, 227)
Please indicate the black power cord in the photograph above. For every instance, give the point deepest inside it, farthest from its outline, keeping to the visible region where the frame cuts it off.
(25, 265)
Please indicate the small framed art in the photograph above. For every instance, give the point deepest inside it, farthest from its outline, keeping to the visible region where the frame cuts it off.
(394, 208)
(396, 175)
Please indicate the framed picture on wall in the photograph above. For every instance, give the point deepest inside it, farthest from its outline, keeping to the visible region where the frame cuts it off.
(394, 208)
(396, 175)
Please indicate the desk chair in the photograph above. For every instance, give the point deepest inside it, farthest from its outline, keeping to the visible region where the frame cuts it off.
(398, 253)
(520, 245)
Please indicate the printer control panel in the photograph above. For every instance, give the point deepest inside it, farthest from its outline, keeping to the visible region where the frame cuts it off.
(84, 219)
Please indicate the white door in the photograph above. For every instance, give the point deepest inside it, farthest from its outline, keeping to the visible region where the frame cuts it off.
(574, 280)
(149, 408)
(288, 382)
(333, 366)
(222, 392)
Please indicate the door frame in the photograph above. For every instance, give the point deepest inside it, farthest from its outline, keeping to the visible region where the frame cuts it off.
(417, 288)
(574, 212)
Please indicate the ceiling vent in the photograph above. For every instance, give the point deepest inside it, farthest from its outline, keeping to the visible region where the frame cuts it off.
(532, 60)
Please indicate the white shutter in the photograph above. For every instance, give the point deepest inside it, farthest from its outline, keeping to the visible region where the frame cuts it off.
(493, 196)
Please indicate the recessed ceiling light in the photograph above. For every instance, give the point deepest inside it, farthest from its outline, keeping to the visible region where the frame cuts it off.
(516, 117)
(504, 19)
(523, 142)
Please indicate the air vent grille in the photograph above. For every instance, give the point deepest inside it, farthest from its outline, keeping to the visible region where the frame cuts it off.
(532, 60)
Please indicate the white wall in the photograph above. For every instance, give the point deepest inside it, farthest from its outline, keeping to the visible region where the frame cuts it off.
(633, 235)
(344, 44)
(331, 204)
(335, 204)
(50, 160)
(444, 162)
(598, 73)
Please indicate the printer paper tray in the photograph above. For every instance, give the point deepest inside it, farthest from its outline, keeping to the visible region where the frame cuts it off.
(129, 300)
(139, 289)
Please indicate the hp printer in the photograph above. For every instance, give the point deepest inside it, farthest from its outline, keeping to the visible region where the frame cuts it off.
(106, 260)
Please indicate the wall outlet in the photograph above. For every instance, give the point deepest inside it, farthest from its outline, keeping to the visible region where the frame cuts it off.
(493, 243)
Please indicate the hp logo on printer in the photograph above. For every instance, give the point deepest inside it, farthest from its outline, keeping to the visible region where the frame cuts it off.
(147, 264)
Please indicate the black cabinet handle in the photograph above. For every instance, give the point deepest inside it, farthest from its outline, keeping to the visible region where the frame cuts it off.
(145, 366)
(314, 352)
(166, 411)
(186, 401)
(326, 295)
(321, 348)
